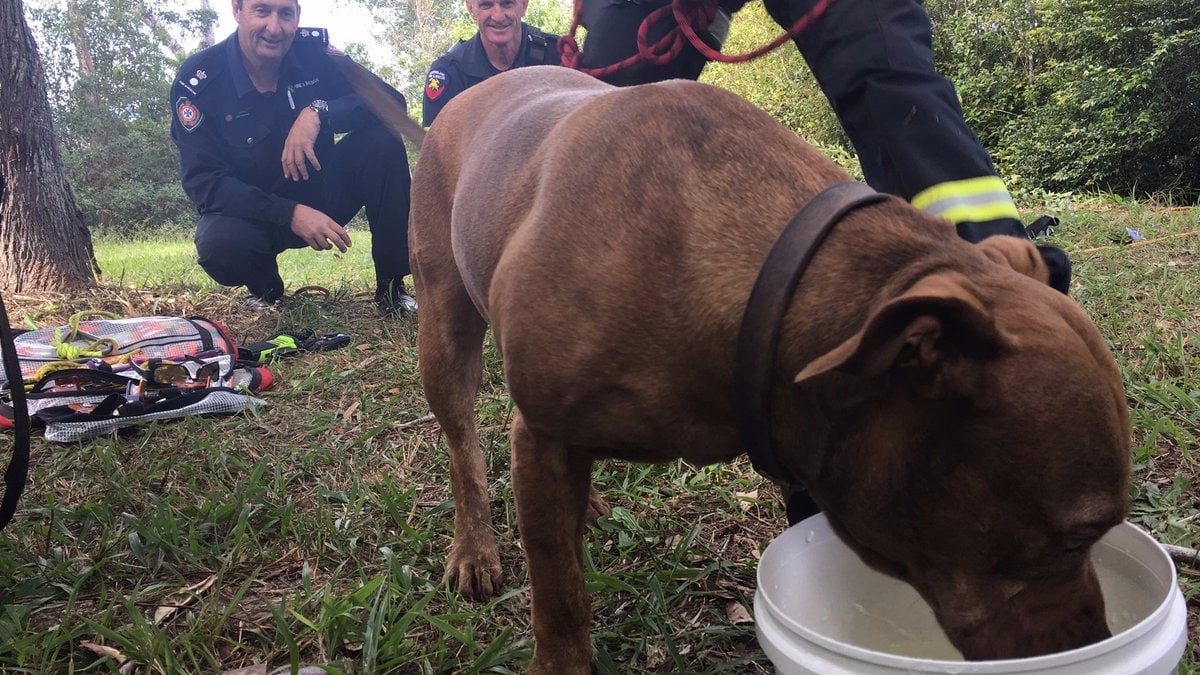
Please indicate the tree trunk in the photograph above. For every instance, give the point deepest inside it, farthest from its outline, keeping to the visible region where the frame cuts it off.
(76, 20)
(160, 32)
(83, 48)
(209, 39)
(44, 243)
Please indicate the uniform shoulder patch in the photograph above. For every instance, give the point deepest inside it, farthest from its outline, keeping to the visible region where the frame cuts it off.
(435, 84)
(189, 115)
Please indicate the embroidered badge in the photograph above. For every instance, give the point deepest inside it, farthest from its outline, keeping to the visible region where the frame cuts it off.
(435, 84)
(200, 75)
(189, 115)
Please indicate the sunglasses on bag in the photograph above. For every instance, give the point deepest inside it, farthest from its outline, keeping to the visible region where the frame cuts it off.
(71, 381)
(173, 373)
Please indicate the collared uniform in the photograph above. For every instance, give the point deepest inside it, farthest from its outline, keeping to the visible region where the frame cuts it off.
(230, 138)
(874, 61)
(466, 65)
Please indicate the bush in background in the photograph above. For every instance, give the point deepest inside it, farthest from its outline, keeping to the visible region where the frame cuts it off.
(1080, 95)
(109, 67)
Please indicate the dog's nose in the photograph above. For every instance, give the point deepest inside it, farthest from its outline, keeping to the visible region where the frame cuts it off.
(1022, 636)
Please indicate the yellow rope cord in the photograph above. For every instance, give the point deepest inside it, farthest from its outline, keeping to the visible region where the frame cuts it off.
(47, 369)
(72, 354)
(94, 349)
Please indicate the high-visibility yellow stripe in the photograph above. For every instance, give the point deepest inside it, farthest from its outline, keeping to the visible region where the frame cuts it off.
(972, 200)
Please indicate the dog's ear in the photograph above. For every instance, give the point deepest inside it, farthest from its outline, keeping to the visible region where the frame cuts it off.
(1019, 254)
(917, 331)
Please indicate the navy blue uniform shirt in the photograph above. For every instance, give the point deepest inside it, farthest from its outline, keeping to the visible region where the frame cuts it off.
(466, 65)
(230, 136)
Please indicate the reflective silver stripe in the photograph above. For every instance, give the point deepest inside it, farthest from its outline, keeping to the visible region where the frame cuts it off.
(974, 199)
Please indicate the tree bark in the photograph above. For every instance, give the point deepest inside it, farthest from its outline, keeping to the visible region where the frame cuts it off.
(83, 48)
(160, 32)
(44, 243)
(209, 38)
(76, 21)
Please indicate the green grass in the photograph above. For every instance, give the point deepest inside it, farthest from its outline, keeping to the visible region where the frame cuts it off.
(314, 530)
(169, 257)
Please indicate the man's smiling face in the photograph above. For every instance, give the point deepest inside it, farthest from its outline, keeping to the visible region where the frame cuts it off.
(266, 28)
(499, 21)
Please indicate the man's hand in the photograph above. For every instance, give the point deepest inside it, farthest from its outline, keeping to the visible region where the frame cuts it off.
(300, 147)
(319, 230)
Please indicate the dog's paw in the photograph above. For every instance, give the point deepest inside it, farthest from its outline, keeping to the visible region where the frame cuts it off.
(475, 571)
(561, 658)
(596, 507)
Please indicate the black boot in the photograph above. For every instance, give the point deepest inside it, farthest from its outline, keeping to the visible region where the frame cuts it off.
(393, 300)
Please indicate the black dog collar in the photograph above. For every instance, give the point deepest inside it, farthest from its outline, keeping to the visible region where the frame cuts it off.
(758, 337)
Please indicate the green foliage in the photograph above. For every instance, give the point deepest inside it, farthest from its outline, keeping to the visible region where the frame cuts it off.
(1068, 95)
(109, 69)
(781, 84)
(552, 16)
(123, 172)
(416, 31)
(1080, 94)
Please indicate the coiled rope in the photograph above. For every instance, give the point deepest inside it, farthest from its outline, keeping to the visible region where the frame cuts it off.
(691, 17)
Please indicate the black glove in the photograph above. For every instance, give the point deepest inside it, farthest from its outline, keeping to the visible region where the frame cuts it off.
(1055, 258)
(1060, 267)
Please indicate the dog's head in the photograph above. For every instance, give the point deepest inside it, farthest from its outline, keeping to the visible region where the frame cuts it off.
(983, 447)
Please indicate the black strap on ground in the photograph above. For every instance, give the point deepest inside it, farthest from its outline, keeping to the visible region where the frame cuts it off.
(758, 338)
(18, 465)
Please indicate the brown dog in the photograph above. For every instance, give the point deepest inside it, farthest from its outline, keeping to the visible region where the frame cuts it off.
(968, 422)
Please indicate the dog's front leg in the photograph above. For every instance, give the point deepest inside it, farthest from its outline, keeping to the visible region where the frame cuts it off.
(450, 339)
(551, 484)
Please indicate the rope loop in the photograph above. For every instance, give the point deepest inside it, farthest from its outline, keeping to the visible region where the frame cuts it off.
(96, 348)
(691, 17)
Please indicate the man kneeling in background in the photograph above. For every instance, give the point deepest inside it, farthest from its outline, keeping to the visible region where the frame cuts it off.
(255, 118)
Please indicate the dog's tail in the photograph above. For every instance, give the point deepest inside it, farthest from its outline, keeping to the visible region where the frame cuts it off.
(375, 93)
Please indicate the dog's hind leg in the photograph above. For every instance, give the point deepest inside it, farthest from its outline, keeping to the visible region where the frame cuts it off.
(551, 485)
(450, 339)
(597, 506)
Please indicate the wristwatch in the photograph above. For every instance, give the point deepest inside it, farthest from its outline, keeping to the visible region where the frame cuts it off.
(322, 109)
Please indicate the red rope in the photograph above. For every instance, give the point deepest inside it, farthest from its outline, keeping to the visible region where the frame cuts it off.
(690, 16)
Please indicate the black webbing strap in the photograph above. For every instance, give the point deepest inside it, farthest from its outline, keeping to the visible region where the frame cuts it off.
(18, 465)
(758, 338)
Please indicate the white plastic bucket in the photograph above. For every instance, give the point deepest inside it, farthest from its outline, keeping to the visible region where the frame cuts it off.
(819, 609)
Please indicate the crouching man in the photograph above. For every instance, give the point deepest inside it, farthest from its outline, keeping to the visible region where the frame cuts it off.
(255, 118)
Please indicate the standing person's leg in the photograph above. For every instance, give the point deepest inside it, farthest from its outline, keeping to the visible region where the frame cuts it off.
(874, 61)
(370, 169)
(240, 252)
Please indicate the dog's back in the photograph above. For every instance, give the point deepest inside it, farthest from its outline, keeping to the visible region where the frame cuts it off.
(486, 140)
(663, 242)
(518, 141)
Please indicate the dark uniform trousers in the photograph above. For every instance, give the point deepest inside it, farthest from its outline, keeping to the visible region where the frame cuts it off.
(231, 137)
(874, 61)
(368, 168)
